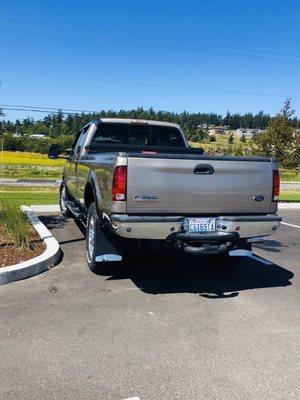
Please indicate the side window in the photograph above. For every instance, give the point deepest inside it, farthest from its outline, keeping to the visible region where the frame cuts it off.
(80, 141)
(75, 140)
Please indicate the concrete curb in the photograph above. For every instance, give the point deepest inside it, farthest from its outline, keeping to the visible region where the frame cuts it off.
(37, 264)
(30, 182)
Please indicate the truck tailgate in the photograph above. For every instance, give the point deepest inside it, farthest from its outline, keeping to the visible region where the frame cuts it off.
(187, 185)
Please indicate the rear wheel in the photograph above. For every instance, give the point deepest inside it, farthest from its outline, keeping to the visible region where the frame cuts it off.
(94, 238)
(63, 197)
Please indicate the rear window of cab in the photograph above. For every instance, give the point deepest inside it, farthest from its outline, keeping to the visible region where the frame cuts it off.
(134, 134)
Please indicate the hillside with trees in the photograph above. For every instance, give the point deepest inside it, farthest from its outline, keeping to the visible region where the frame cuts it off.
(59, 124)
(280, 138)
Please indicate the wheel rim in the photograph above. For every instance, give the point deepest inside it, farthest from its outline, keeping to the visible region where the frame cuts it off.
(63, 199)
(91, 239)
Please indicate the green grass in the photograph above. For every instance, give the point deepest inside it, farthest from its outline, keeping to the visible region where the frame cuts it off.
(290, 195)
(29, 195)
(221, 141)
(31, 172)
(211, 145)
(290, 175)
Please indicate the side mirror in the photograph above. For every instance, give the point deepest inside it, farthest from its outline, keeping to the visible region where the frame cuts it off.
(53, 151)
(69, 152)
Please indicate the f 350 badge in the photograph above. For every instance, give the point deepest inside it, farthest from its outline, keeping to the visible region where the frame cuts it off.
(145, 197)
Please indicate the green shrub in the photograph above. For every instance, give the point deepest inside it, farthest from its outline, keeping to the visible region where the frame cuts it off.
(231, 139)
(14, 223)
(25, 143)
(243, 139)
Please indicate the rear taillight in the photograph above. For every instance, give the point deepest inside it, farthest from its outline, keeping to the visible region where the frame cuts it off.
(276, 185)
(119, 187)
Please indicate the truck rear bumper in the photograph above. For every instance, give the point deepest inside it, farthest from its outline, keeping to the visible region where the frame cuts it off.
(164, 227)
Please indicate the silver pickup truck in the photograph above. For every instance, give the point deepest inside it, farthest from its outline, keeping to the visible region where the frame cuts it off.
(138, 186)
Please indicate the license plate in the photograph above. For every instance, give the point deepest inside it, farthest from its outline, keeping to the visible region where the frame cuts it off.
(202, 225)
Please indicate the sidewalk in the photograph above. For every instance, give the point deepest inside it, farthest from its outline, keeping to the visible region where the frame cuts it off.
(289, 186)
(30, 182)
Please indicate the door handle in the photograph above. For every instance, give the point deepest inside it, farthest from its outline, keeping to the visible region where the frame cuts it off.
(204, 169)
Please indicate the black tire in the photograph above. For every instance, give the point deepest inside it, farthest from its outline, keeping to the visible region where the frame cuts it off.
(63, 196)
(93, 238)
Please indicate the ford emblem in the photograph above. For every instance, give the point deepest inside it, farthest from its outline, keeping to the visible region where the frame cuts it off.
(258, 198)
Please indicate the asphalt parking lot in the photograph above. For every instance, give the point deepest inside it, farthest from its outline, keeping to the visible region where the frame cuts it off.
(155, 330)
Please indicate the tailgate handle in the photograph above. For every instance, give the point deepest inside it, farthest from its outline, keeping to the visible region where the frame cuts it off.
(204, 169)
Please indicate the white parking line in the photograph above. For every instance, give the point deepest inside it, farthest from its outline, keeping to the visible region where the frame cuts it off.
(293, 226)
(133, 398)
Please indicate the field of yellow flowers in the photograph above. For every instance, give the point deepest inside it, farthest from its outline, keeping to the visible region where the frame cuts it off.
(14, 164)
(23, 158)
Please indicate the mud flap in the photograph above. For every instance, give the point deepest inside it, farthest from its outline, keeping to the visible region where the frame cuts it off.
(107, 248)
(248, 253)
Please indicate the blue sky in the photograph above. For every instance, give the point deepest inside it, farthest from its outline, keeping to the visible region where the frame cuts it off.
(173, 55)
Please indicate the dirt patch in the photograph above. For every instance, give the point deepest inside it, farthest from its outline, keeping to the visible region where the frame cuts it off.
(10, 254)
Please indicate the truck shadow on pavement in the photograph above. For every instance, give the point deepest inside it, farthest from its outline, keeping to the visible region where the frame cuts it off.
(166, 274)
(195, 275)
(53, 221)
(273, 246)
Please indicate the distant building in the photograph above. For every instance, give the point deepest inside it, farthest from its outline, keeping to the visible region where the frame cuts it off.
(221, 129)
(256, 132)
(213, 129)
(17, 134)
(37, 136)
(206, 126)
(247, 132)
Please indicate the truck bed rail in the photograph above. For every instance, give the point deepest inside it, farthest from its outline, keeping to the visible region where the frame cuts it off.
(144, 149)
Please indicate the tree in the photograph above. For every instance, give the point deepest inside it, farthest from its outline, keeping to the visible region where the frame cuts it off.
(243, 138)
(58, 123)
(231, 139)
(287, 110)
(280, 140)
(212, 138)
(202, 133)
(194, 124)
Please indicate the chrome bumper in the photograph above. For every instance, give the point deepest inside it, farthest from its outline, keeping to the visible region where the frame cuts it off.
(163, 227)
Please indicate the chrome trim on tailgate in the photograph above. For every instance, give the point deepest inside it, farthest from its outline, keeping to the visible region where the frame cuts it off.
(251, 218)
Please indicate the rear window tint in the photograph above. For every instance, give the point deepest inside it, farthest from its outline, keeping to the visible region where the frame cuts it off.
(140, 135)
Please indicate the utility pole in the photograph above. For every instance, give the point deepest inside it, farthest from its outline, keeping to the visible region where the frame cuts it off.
(2, 147)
